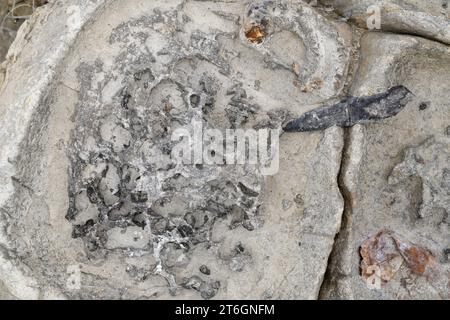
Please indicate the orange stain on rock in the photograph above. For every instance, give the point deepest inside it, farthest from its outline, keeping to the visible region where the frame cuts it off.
(255, 34)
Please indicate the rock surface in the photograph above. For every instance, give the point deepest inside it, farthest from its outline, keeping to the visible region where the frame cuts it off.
(430, 19)
(93, 205)
(387, 182)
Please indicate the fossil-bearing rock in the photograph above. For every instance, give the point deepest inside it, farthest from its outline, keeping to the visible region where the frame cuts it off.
(94, 206)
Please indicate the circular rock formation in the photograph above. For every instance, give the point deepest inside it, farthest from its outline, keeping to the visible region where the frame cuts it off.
(94, 106)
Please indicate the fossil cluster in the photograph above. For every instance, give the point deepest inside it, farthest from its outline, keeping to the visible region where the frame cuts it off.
(96, 204)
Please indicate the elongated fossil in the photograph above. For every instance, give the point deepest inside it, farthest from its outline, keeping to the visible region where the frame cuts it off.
(353, 110)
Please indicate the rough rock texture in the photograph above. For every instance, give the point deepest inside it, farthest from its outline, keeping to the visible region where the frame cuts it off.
(12, 14)
(89, 186)
(394, 175)
(92, 182)
(430, 19)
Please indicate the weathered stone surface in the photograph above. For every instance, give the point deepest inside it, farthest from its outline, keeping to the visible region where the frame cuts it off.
(89, 184)
(429, 19)
(87, 178)
(387, 183)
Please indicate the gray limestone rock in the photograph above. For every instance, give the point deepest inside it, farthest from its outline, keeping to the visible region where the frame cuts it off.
(88, 177)
(429, 19)
(95, 202)
(393, 174)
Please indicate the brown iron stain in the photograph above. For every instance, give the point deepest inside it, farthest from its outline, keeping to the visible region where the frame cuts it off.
(388, 252)
(417, 259)
(380, 251)
(255, 34)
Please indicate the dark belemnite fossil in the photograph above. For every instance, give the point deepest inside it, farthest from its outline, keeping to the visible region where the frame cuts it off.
(353, 110)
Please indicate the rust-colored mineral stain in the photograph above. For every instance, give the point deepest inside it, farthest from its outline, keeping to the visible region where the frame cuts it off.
(255, 34)
(380, 251)
(387, 251)
(417, 259)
